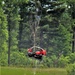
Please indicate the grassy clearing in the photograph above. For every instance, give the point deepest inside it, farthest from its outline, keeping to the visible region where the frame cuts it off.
(30, 71)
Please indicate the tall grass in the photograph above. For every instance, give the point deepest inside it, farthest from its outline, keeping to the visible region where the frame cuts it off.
(30, 71)
(0, 70)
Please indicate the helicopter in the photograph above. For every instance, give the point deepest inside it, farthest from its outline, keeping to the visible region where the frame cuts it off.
(37, 54)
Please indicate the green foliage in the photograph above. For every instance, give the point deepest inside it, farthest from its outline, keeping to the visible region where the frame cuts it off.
(67, 0)
(3, 38)
(51, 61)
(72, 58)
(63, 61)
(3, 30)
(71, 69)
(17, 1)
(66, 38)
(18, 59)
(47, 62)
(65, 28)
(3, 59)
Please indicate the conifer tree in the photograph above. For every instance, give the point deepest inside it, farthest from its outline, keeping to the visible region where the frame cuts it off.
(3, 36)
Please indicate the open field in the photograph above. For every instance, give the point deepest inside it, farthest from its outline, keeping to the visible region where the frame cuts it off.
(31, 71)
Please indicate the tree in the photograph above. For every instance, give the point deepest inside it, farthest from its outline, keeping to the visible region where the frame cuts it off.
(49, 24)
(13, 18)
(3, 36)
(71, 10)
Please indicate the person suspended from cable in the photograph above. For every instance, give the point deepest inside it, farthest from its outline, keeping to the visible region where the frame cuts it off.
(38, 53)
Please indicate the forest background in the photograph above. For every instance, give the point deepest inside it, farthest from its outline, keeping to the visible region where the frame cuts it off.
(56, 31)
